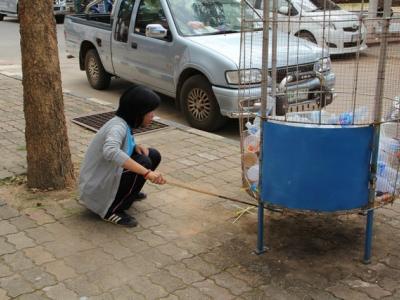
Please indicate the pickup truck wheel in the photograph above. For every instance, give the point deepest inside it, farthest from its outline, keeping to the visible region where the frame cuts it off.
(199, 104)
(60, 19)
(307, 36)
(98, 78)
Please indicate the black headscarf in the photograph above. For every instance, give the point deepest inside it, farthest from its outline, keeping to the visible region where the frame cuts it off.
(135, 102)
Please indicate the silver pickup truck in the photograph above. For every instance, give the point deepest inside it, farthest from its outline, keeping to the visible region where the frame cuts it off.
(60, 8)
(189, 50)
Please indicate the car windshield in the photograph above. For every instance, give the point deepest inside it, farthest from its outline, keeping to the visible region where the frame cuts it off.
(205, 17)
(318, 5)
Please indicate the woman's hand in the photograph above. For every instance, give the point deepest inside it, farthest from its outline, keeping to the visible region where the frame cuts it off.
(142, 150)
(155, 177)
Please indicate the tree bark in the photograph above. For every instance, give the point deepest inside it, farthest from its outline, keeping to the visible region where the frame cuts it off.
(48, 154)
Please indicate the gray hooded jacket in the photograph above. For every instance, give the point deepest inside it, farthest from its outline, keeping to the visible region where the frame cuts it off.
(102, 167)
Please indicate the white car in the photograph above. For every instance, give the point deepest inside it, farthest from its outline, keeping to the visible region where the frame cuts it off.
(331, 28)
(60, 8)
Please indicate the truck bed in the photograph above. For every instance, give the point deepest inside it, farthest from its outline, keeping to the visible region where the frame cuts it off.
(102, 21)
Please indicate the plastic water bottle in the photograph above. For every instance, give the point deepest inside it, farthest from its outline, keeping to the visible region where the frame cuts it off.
(253, 173)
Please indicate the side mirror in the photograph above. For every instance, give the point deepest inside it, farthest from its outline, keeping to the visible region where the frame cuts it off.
(156, 31)
(284, 10)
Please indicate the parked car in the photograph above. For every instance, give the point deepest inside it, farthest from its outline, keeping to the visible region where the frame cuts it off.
(61, 8)
(322, 22)
(190, 50)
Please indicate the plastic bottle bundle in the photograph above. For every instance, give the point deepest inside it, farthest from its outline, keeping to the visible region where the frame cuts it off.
(360, 116)
(387, 180)
(252, 140)
(252, 175)
(389, 151)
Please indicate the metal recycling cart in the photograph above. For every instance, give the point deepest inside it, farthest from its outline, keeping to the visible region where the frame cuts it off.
(320, 157)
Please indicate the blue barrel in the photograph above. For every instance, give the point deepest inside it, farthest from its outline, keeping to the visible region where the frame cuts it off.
(320, 168)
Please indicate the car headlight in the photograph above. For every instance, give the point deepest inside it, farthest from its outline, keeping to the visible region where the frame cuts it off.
(323, 65)
(247, 76)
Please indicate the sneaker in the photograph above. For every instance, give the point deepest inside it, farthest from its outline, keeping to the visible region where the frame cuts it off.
(140, 196)
(122, 218)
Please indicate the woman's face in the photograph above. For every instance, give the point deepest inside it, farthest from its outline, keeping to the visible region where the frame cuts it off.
(148, 118)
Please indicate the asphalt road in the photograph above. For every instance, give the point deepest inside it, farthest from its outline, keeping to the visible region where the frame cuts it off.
(75, 81)
(355, 78)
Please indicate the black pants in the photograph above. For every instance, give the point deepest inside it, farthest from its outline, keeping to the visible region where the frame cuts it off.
(132, 183)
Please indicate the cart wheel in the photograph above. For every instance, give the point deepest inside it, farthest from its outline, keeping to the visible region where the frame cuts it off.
(95, 72)
(199, 104)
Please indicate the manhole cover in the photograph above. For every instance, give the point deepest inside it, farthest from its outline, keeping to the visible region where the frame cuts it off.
(95, 121)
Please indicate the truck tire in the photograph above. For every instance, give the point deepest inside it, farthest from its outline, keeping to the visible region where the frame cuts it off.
(306, 36)
(97, 76)
(60, 19)
(199, 104)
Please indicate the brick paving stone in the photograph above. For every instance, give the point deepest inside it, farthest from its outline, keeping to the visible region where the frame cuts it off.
(22, 222)
(38, 277)
(60, 270)
(59, 291)
(166, 280)
(5, 247)
(33, 296)
(38, 255)
(7, 212)
(105, 296)
(157, 257)
(3, 294)
(174, 251)
(187, 275)
(170, 297)
(145, 287)
(191, 293)
(150, 238)
(39, 216)
(252, 278)
(343, 292)
(139, 265)
(18, 261)
(210, 288)
(40, 235)
(204, 268)
(82, 286)
(67, 245)
(20, 240)
(5, 270)
(234, 285)
(133, 244)
(6, 228)
(115, 249)
(126, 293)
(191, 247)
(166, 232)
(88, 260)
(373, 290)
(15, 285)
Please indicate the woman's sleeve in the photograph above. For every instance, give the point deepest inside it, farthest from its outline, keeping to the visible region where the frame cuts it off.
(112, 145)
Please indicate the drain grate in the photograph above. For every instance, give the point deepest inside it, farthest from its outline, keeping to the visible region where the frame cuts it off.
(95, 121)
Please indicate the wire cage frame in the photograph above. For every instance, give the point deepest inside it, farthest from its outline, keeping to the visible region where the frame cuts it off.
(308, 64)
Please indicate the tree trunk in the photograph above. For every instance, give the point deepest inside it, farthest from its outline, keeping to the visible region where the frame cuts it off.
(48, 153)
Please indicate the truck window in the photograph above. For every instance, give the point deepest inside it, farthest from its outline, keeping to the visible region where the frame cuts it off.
(150, 12)
(123, 21)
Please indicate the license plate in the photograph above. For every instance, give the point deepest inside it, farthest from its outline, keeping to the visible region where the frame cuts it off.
(297, 95)
(355, 38)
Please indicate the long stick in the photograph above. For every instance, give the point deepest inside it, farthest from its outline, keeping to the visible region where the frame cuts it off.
(184, 186)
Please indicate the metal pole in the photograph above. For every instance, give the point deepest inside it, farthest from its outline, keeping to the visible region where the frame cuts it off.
(368, 237)
(377, 119)
(264, 94)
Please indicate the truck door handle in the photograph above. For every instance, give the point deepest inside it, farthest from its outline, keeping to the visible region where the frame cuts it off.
(134, 45)
(98, 41)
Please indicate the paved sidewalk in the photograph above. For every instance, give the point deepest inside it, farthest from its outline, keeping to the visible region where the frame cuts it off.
(186, 246)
